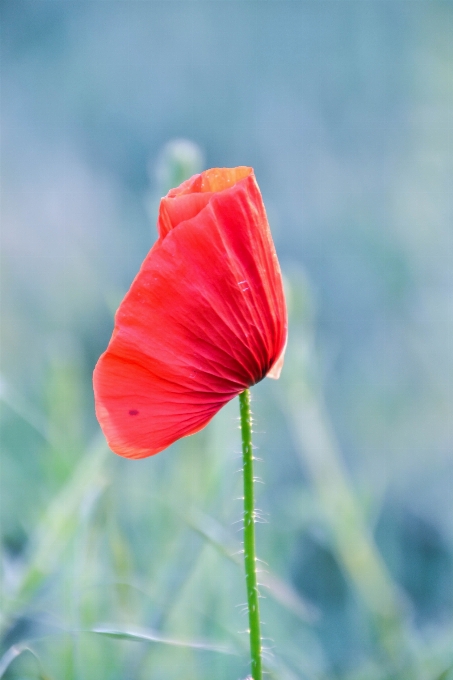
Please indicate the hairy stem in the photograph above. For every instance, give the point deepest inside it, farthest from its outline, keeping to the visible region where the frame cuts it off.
(249, 536)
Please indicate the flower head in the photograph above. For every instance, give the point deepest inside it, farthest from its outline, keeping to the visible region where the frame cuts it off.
(204, 319)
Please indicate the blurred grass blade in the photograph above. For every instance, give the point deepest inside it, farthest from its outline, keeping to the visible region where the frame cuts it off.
(447, 674)
(24, 410)
(9, 656)
(321, 457)
(278, 589)
(354, 545)
(12, 653)
(59, 524)
(147, 635)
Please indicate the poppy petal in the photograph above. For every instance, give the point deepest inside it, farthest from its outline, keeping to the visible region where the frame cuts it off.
(204, 319)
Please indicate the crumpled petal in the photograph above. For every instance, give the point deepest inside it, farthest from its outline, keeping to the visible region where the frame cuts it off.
(204, 319)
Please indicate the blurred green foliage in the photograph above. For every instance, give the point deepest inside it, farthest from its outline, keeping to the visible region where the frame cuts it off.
(132, 569)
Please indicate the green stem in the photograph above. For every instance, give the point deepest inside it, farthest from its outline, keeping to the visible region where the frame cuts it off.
(249, 536)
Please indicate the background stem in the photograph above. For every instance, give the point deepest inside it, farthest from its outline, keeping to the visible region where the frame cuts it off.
(249, 536)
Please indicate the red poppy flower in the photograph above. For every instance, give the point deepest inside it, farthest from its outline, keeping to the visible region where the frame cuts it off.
(204, 319)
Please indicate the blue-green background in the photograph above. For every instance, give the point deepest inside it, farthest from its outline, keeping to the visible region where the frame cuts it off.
(344, 109)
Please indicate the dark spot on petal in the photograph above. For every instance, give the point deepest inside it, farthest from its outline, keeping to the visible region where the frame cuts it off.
(133, 412)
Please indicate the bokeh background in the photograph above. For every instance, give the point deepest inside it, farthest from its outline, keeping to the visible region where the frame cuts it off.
(118, 570)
